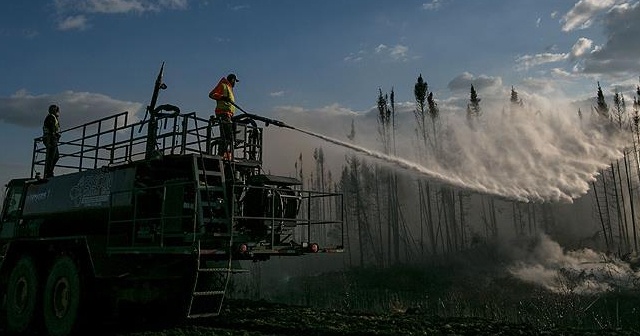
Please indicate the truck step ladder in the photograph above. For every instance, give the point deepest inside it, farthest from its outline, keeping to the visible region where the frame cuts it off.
(209, 287)
(212, 276)
(211, 194)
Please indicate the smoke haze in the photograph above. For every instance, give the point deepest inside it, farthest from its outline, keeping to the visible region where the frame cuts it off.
(582, 271)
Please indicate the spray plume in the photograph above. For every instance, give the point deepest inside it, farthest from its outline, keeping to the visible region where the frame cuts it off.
(542, 152)
(524, 155)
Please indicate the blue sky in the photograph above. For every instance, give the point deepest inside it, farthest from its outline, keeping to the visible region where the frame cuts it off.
(321, 58)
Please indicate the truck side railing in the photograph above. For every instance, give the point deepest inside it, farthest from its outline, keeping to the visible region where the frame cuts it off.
(318, 218)
(114, 140)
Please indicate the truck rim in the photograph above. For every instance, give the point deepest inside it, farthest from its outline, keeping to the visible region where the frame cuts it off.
(61, 297)
(22, 295)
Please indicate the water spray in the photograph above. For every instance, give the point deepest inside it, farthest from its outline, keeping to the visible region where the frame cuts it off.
(400, 162)
(540, 160)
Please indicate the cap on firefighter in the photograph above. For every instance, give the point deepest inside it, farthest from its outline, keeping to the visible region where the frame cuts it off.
(232, 76)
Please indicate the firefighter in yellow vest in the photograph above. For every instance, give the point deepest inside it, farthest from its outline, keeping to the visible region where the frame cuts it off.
(50, 138)
(223, 95)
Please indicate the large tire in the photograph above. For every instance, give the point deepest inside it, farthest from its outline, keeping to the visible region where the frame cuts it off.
(22, 296)
(61, 299)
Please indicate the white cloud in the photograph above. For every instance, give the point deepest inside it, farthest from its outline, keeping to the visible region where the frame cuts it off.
(581, 47)
(561, 73)
(433, 5)
(538, 22)
(380, 48)
(527, 61)
(353, 58)
(277, 94)
(617, 58)
(77, 22)
(399, 52)
(583, 13)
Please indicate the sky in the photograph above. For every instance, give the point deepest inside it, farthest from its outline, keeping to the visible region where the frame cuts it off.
(317, 63)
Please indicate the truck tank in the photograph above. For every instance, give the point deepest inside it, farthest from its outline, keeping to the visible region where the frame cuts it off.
(144, 212)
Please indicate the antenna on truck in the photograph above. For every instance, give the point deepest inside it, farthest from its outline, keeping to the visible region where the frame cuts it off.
(154, 113)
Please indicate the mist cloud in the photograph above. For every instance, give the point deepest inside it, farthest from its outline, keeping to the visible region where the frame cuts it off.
(582, 271)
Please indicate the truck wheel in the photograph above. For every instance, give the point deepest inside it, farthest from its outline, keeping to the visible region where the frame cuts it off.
(22, 296)
(62, 297)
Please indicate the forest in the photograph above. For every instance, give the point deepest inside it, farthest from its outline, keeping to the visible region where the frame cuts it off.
(524, 214)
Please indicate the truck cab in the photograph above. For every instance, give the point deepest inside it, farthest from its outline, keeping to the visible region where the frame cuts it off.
(12, 208)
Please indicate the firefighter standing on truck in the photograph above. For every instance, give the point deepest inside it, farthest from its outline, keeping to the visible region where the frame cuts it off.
(225, 107)
(50, 137)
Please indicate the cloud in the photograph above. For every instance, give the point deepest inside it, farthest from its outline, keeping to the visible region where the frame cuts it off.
(72, 12)
(618, 56)
(77, 22)
(353, 58)
(380, 48)
(277, 94)
(582, 14)
(579, 50)
(239, 7)
(527, 61)
(433, 5)
(463, 82)
(398, 52)
(581, 47)
(25, 109)
(561, 73)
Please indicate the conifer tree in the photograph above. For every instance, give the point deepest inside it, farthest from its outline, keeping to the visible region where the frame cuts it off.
(473, 108)
(620, 108)
(601, 105)
(514, 96)
(384, 121)
(515, 99)
(420, 90)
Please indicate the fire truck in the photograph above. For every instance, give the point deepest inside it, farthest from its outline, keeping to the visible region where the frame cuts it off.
(146, 211)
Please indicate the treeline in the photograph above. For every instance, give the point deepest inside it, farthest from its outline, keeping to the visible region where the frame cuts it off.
(392, 217)
(616, 193)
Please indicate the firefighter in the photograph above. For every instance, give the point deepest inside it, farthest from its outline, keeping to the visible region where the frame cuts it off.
(225, 107)
(50, 138)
